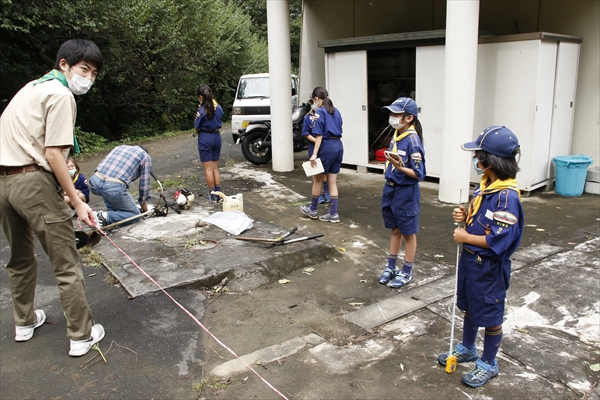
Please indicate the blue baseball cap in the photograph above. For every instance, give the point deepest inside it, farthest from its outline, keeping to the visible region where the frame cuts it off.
(403, 105)
(497, 140)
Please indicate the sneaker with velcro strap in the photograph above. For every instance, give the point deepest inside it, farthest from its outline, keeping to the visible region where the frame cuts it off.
(388, 274)
(480, 374)
(461, 353)
(401, 279)
(24, 333)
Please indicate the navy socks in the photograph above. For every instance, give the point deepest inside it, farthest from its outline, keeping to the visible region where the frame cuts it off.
(469, 333)
(334, 205)
(491, 345)
(407, 267)
(392, 258)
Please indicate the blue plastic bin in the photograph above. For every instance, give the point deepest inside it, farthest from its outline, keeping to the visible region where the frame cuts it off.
(570, 174)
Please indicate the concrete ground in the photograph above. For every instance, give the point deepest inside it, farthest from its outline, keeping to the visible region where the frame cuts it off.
(309, 317)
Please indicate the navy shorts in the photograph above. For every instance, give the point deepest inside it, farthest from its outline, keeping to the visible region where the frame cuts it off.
(482, 285)
(209, 146)
(400, 207)
(331, 154)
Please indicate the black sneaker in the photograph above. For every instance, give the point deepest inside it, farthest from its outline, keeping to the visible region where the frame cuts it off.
(101, 218)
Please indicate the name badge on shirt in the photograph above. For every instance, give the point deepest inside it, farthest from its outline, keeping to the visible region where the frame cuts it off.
(489, 214)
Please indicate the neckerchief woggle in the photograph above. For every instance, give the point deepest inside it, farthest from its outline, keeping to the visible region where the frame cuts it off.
(398, 138)
(484, 189)
(59, 76)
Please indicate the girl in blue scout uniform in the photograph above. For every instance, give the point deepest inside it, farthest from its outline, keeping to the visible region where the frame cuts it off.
(400, 201)
(209, 119)
(329, 148)
(494, 225)
(308, 125)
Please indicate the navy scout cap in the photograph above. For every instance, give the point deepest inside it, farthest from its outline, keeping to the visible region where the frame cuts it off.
(403, 105)
(497, 140)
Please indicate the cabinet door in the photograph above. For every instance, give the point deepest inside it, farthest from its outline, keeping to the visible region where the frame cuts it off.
(346, 82)
(564, 101)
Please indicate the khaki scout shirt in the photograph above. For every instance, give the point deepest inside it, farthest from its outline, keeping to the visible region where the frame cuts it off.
(39, 116)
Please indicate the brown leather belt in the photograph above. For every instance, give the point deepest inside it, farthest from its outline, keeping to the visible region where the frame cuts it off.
(18, 170)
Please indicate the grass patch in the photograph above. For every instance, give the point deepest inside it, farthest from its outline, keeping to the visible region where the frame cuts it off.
(91, 257)
(212, 383)
(110, 278)
(169, 183)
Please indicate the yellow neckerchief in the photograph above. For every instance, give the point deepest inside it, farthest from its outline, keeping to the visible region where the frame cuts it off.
(75, 177)
(398, 138)
(494, 187)
(214, 106)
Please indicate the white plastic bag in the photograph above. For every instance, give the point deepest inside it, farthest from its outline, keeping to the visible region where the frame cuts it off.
(234, 222)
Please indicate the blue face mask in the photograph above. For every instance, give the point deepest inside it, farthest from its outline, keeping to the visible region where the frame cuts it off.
(477, 169)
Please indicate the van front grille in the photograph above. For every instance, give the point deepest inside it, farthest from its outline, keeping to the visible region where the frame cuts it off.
(261, 110)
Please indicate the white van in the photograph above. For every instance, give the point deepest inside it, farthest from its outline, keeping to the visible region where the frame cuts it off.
(252, 101)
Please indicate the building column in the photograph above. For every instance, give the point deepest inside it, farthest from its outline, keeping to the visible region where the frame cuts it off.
(280, 70)
(460, 75)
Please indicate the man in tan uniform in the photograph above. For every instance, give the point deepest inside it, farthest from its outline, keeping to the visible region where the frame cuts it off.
(36, 133)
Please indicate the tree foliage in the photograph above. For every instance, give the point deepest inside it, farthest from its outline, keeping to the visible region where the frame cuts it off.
(156, 53)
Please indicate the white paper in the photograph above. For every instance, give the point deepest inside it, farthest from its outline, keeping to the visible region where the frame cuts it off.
(234, 222)
(310, 170)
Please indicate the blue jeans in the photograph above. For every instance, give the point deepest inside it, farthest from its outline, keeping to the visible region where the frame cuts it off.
(118, 201)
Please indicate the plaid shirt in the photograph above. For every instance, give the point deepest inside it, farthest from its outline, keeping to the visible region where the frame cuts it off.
(128, 163)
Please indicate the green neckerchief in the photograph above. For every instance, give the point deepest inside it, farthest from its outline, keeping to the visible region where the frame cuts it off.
(54, 74)
(59, 76)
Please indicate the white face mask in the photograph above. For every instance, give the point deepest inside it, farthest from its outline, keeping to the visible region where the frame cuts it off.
(395, 122)
(477, 169)
(72, 172)
(79, 85)
(314, 107)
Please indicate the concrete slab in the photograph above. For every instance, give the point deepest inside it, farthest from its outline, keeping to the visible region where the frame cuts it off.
(267, 355)
(338, 360)
(183, 251)
(534, 253)
(395, 307)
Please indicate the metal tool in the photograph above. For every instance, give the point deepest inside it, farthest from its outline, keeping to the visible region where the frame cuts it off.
(280, 240)
(160, 210)
(269, 241)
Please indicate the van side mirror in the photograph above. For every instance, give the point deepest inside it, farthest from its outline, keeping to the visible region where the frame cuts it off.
(232, 92)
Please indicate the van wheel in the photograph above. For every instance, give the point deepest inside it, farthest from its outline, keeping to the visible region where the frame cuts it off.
(256, 147)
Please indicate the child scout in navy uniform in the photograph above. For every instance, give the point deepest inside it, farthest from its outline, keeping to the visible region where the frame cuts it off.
(308, 125)
(494, 225)
(400, 201)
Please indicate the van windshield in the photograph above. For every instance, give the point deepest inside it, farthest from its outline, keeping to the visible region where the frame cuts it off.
(253, 88)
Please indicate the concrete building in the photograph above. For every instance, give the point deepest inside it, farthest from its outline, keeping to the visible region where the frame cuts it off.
(532, 65)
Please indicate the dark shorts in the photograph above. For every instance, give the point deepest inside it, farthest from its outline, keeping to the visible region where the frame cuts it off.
(400, 207)
(331, 154)
(209, 146)
(482, 285)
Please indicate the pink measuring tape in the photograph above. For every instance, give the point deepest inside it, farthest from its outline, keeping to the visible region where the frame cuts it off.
(192, 316)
